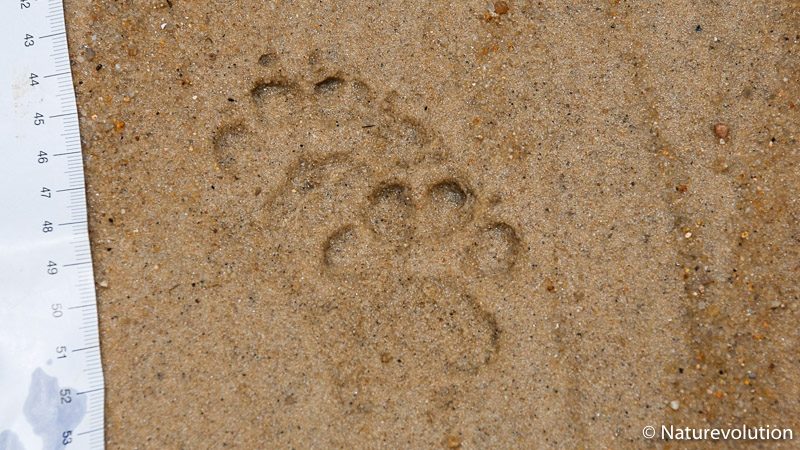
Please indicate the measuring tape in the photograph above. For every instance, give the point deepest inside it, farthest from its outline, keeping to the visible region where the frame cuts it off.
(50, 372)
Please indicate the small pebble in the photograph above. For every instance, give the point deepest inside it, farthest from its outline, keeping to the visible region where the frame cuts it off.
(267, 58)
(453, 442)
(103, 283)
(721, 131)
(674, 405)
(89, 53)
(501, 7)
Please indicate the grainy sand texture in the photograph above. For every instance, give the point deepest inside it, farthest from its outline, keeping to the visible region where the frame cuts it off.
(425, 224)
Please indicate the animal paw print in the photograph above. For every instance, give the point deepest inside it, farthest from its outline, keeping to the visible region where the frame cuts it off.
(379, 255)
(319, 111)
(372, 230)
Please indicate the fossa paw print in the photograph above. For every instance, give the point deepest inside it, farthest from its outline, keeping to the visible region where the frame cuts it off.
(372, 230)
(379, 253)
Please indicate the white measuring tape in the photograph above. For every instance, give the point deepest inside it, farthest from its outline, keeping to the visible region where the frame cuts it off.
(51, 378)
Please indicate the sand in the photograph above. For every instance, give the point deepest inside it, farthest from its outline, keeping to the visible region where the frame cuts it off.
(441, 224)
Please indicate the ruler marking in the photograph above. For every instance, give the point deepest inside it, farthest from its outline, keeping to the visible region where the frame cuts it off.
(60, 74)
(54, 34)
(81, 306)
(77, 263)
(85, 348)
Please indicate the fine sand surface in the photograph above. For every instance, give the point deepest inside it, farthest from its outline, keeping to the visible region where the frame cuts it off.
(397, 224)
